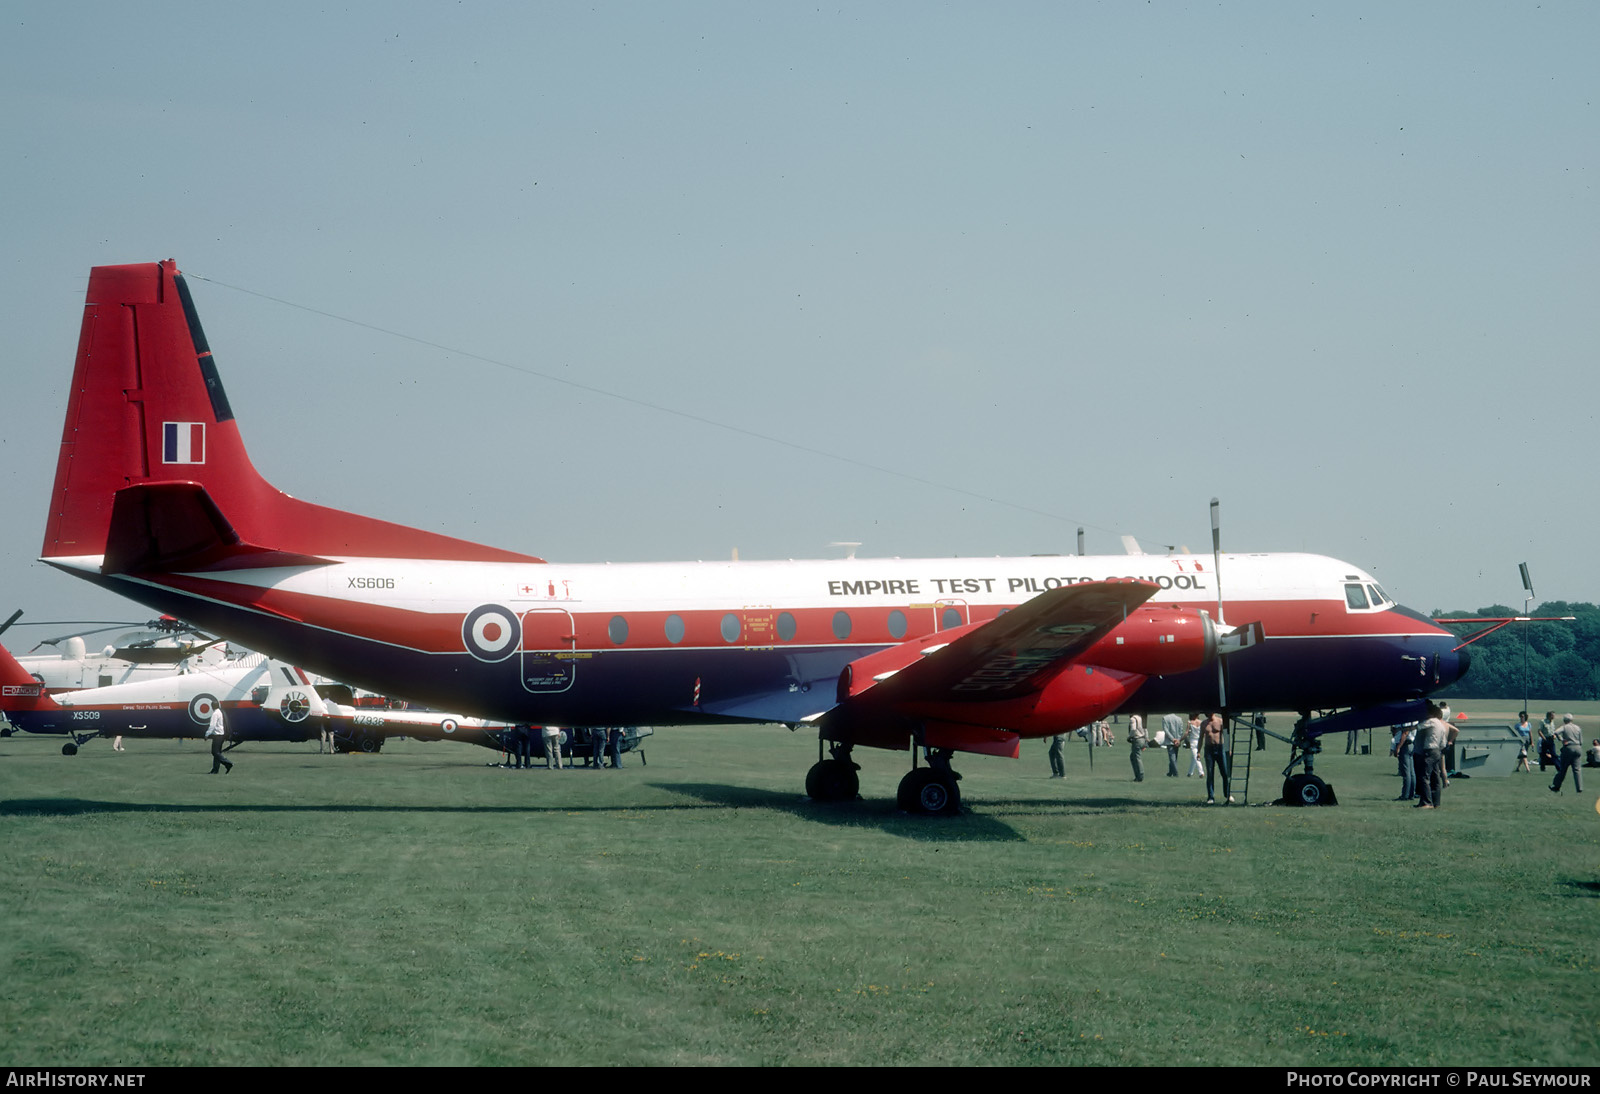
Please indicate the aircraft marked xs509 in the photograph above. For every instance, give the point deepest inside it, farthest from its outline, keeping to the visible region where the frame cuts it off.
(156, 498)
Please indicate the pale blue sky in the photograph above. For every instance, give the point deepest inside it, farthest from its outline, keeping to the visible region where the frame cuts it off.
(1333, 263)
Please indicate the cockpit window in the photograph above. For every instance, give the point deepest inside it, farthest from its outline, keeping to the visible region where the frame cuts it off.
(1355, 597)
(1378, 595)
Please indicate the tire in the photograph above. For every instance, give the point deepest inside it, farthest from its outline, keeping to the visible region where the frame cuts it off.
(1307, 790)
(833, 781)
(69, 749)
(928, 793)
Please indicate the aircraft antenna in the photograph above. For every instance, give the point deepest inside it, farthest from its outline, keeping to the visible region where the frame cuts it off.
(1080, 542)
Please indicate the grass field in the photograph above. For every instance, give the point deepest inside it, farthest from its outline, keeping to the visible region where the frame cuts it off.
(419, 907)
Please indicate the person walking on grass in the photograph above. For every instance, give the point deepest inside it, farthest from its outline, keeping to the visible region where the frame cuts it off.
(217, 733)
(1569, 754)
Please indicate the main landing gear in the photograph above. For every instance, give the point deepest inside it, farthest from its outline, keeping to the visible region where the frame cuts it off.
(932, 791)
(834, 779)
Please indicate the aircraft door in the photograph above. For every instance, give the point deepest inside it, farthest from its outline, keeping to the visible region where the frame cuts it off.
(549, 660)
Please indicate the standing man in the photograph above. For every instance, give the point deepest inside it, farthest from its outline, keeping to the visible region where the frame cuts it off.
(216, 733)
(1429, 755)
(1569, 754)
(1547, 734)
(552, 747)
(1058, 765)
(1136, 743)
(1404, 744)
(1216, 756)
(1172, 730)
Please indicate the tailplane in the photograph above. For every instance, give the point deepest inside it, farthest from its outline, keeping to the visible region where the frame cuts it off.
(153, 473)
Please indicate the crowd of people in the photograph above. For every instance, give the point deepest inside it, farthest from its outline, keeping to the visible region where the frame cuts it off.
(1203, 735)
(594, 746)
(1424, 751)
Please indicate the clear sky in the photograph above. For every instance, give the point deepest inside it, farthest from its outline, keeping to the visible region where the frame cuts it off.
(972, 275)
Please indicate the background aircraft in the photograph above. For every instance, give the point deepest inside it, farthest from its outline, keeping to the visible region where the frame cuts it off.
(83, 659)
(263, 699)
(156, 499)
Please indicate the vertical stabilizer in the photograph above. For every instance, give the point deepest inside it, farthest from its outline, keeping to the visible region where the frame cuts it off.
(147, 410)
(19, 691)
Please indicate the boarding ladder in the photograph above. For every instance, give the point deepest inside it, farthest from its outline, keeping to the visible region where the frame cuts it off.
(1241, 746)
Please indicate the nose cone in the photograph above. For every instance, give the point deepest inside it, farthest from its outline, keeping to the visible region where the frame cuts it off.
(1449, 663)
(1433, 650)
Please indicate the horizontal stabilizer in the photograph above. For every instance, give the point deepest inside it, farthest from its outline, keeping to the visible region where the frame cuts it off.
(175, 526)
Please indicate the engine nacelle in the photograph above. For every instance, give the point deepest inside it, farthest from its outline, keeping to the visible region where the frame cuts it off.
(1157, 641)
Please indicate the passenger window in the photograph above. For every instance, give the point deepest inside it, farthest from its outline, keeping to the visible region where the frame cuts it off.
(897, 624)
(786, 627)
(841, 624)
(674, 629)
(951, 618)
(730, 628)
(617, 630)
(1355, 597)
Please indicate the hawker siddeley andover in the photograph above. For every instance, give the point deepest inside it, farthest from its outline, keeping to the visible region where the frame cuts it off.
(156, 499)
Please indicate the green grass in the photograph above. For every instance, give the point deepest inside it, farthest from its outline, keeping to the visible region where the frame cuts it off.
(420, 908)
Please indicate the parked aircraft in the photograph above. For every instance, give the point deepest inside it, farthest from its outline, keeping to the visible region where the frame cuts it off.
(149, 652)
(156, 498)
(263, 699)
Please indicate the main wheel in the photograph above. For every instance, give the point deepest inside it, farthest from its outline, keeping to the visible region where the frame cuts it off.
(930, 793)
(833, 781)
(69, 749)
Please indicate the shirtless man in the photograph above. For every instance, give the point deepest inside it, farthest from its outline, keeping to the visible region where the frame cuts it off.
(1211, 737)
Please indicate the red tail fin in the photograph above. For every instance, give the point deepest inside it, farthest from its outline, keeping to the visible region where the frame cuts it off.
(18, 690)
(147, 406)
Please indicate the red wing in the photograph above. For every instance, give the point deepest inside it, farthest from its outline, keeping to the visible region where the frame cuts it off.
(1006, 658)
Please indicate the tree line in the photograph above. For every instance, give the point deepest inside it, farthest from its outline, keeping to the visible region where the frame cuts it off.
(1562, 659)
